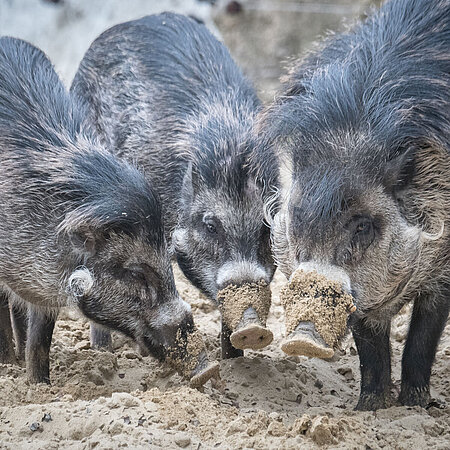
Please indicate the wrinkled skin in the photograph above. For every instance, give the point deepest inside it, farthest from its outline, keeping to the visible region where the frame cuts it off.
(370, 183)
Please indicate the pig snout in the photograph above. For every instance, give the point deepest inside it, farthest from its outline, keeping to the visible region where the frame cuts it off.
(172, 319)
(244, 299)
(240, 272)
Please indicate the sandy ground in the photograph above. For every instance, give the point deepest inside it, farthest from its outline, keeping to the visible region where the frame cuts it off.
(111, 400)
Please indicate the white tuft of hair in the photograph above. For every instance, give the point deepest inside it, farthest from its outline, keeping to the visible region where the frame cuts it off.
(433, 236)
(80, 282)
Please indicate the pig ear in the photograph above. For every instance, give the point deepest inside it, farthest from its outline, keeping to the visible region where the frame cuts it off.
(83, 241)
(400, 170)
(188, 188)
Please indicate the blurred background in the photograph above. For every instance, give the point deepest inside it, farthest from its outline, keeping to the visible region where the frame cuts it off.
(262, 35)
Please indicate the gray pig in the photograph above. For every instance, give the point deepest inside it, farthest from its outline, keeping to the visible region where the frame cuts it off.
(365, 122)
(79, 226)
(164, 92)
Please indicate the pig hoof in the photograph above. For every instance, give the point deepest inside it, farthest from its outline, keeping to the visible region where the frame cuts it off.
(305, 341)
(372, 402)
(203, 375)
(415, 396)
(252, 336)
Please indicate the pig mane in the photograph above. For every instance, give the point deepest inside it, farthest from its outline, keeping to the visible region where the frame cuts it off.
(207, 106)
(388, 78)
(57, 163)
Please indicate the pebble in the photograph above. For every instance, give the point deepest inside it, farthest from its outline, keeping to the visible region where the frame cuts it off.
(35, 426)
(182, 440)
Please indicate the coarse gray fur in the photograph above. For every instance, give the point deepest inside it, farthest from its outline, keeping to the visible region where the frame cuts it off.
(164, 92)
(79, 226)
(365, 123)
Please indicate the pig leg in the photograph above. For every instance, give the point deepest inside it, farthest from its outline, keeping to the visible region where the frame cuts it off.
(375, 365)
(427, 322)
(6, 333)
(100, 338)
(228, 351)
(19, 324)
(40, 331)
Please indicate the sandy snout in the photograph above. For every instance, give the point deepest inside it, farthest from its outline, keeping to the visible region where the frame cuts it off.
(193, 362)
(244, 310)
(316, 310)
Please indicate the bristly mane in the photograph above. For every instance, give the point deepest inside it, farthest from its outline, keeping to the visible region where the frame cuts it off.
(182, 90)
(388, 79)
(51, 153)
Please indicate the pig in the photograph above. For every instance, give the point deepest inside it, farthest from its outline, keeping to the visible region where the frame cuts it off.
(364, 121)
(79, 226)
(164, 92)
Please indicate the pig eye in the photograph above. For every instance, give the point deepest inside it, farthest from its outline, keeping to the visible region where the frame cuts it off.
(363, 227)
(210, 226)
(144, 274)
(363, 232)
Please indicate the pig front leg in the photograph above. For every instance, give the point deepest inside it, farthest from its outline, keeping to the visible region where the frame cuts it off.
(19, 324)
(39, 339)
(427, 322)
(100, 338)
(228, 351)
(7, 355)
(375, 365)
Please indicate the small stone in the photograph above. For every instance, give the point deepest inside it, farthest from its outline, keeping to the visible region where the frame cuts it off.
(234, 7)
(141, 421)
(35, 426)
(123, 399)
(47, 417)
(235, 427)
(182, 440)
(318, 384)
(115, 428)
(303, 378)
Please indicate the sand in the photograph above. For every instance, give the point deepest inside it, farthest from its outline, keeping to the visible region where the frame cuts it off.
(112, 400)
(312, 297)
(190, 359)
(234, 300)
(245, 309)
